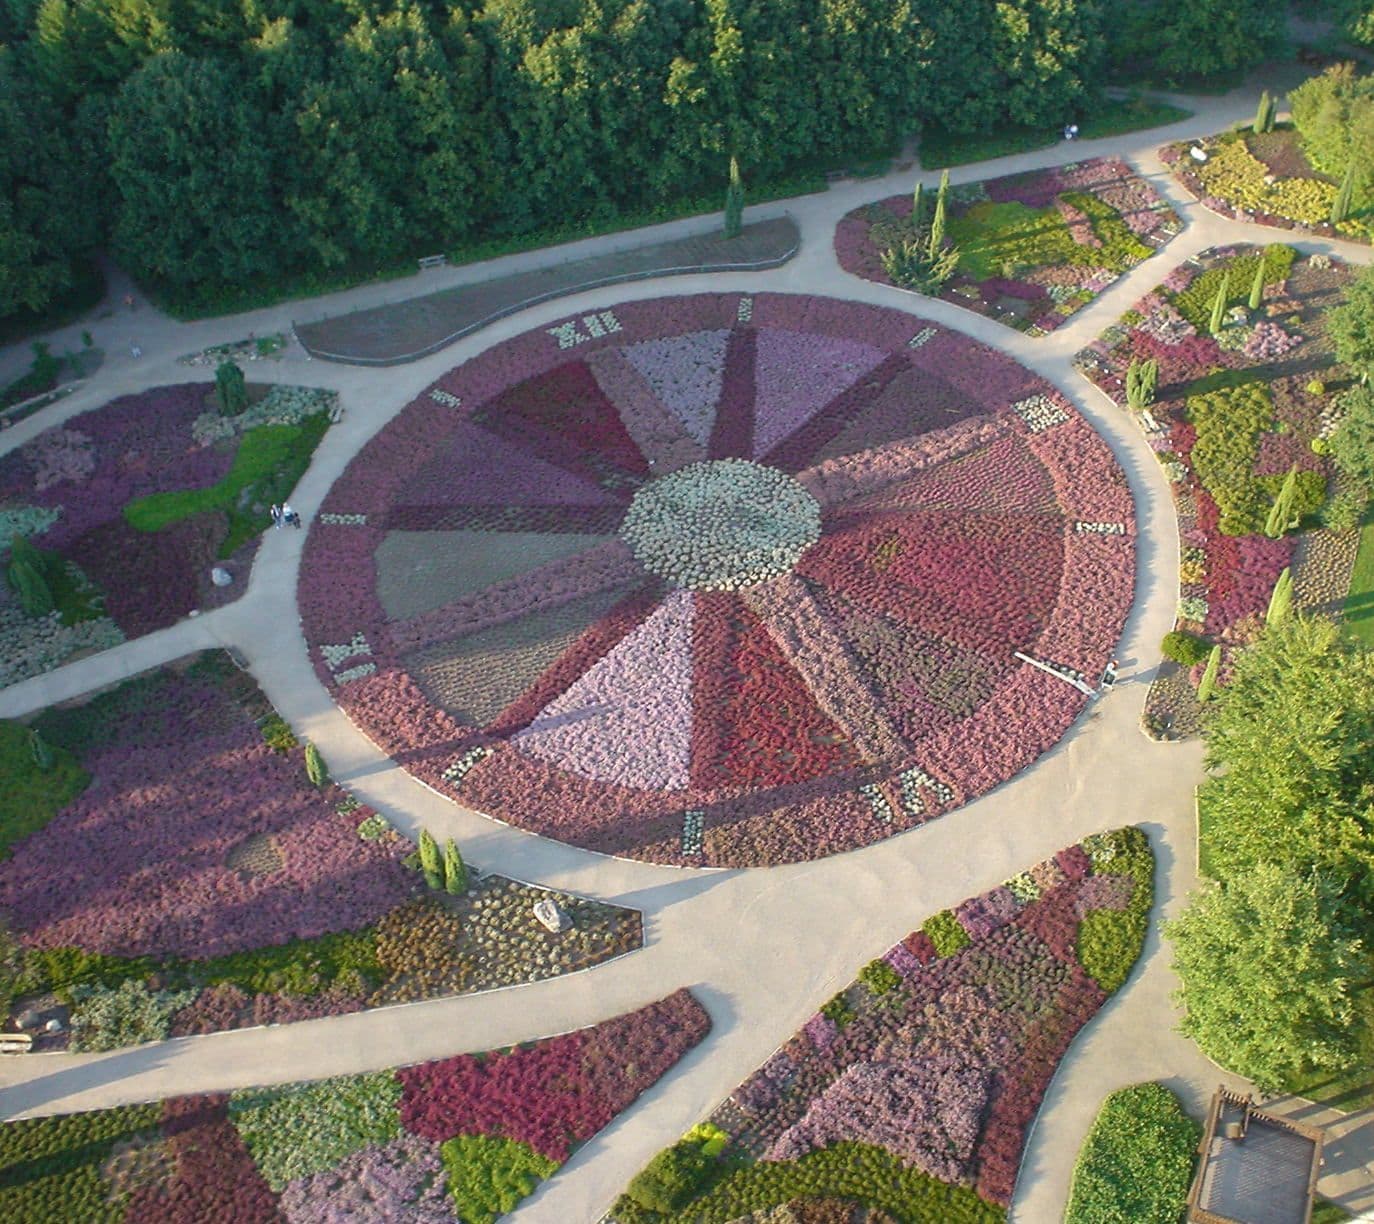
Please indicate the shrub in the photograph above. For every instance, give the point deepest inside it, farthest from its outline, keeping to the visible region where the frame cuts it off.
(1137, 1161)
(837, 1010)
(314, 766)
(430, 862)
(1186, 648)
(129, 1014)
(1196, 301)
(455, 870)
(672, 1178)
(488, 1175)
(879, 977)
(277, 733)
(1110, 941)
(33, 794)
(299, 1129)
(230, 388)
(945, 933)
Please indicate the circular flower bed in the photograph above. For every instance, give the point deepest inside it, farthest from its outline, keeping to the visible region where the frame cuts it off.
(717, 580)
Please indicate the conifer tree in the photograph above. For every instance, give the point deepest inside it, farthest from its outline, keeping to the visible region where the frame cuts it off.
(1257, 285)
(431, 866)
(1208, 684)
(1340, 206)
(314, 765)
(230, 388)
(734, 202)
(917, 206)
(455, 870)
(1281, 517)
(1219, 304)
(42, 754)
(937, 222)
(1281, 600)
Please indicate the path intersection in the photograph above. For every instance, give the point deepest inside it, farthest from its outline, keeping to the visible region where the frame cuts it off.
(759, 948)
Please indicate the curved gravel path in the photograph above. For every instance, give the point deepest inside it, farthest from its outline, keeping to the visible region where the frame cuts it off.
(760, 948)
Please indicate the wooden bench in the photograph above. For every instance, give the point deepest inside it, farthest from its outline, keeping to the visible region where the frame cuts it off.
(15, 1043)
(432, 261)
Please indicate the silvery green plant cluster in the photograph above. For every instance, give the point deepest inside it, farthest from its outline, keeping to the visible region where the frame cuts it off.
(722, 525)
(280, 406)
(33, 645)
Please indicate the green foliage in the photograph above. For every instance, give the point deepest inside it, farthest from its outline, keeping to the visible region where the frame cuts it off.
(1351, 325)
(50, 1167)
(488, 1175)
(1281, 518)
(277, 733)
(1218, 316)
(1136, 1164)
(1257, 286)
(299, 1129)
(1196, 302)
(935, 243)
(1229, 423)
(269, 462)
(314, 766)
(1206, 688)
(33, 793)
(910, 264)
(1281, 598)
(1351, 444)
(734, 202)
(879, 977)
(1264, 116)
(455, 870)
(847, 1170)
(1266, 961)
(1288, 747)
(1142, 377)
(670, 1181)
(1334, 116)
(1340, 206)
(108, 1018)
(39, 750)
(1186, 648)
(1110, 941)
(27, 578)
(64, 969)
(230, 388)
(1183, 40)
(837, 1010)
(945, 933)
(430, 863)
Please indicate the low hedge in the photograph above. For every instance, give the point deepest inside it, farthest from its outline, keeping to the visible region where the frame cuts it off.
(1186, 648)
(32, 796)
(1137, 1161)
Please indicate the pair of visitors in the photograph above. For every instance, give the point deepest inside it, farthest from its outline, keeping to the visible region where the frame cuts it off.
(1071, 131)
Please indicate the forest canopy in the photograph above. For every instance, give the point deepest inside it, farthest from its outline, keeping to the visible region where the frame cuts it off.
(231, 142)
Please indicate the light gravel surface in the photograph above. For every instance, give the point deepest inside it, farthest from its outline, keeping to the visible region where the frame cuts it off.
(762, 949)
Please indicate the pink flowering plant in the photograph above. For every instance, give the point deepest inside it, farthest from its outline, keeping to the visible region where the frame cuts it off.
(1234, 412)
(782, 552)
(918, 1083)
(1034, 247)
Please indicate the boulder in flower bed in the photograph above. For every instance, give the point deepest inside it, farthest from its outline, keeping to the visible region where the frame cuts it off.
(289, 902)
(462, 1138)
(913, 1091)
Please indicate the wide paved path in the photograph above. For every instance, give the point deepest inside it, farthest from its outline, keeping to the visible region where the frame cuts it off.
(762, 949)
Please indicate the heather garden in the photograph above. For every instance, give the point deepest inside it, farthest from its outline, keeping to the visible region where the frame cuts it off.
(723, 580)
(285, 900)
(1229, 368)
(1028, 250)
(462, 1138)
(113, 523)
(911, 1092)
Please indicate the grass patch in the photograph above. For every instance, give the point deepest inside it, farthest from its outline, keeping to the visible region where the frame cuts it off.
(32, 796)
(1136, 1164)
(1359, 603)
(1111, 117)
(203, 301)
(1001, 239)
(269, 462)
(1328, 1213)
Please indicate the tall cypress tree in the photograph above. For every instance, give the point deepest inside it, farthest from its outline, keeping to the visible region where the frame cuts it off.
(431, 865)
(734, 202)
(937, 222)
(1340, 206)
(1281, 600)
(1219, 304)
(1207, 686)
(455, 870)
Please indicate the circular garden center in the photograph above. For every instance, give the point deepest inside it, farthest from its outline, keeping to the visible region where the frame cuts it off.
(723, 580)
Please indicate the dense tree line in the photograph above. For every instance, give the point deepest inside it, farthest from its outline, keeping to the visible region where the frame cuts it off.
(210, 142)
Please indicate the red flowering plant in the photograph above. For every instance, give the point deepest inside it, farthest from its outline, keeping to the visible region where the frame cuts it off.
(721, 579)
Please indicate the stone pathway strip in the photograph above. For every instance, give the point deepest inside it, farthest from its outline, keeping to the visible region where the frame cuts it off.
(407, 331)
(760, 948)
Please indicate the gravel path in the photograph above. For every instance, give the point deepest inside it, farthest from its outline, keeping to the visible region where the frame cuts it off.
(760, 948)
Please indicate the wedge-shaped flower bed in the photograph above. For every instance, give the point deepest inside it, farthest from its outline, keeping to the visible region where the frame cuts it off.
(1034, 247)
(182, 875)
(133, 504)
(1265, 179)
(912, 1091)
(722, 580)
(464, 1138)
(1235, 411)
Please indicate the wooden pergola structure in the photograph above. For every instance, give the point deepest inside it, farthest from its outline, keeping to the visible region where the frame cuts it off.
(1254, 1167)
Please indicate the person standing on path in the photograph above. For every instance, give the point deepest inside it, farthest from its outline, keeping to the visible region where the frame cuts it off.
(276, 516)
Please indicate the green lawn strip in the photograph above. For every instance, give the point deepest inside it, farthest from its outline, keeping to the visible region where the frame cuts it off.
(845, 1170)
(1113, 117)
(1136, 1164)
(1329, 1213)
(1000, 239)
(1359, 603)
(202, 301)
(269, 462)
(32, 796)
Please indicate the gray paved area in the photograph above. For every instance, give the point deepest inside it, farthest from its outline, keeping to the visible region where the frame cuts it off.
(761, 948)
